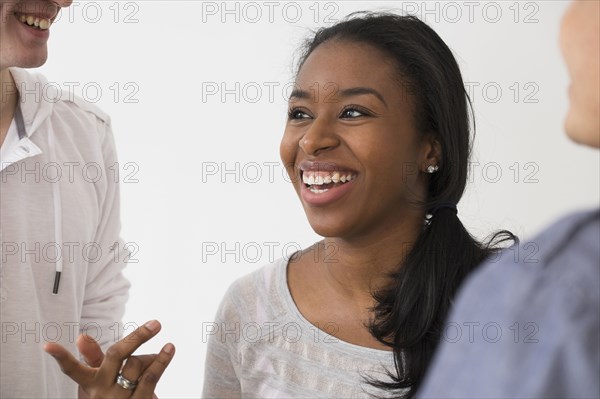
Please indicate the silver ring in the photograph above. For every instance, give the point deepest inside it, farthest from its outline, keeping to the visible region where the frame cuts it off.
(125, 383)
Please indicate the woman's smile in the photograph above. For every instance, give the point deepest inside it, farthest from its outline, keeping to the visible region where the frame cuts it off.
(322, 183)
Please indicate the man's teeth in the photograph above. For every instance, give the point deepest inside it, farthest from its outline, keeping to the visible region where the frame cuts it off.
(321, 178)
(41, 23)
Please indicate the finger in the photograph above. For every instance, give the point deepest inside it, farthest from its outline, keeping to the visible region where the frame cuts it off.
(149, 379)
(133, 368)
(77, 371)
(90, 350)
(146, 360)
(117, 353)
(135, 365)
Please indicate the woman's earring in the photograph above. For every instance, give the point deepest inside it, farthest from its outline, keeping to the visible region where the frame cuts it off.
(432, 168)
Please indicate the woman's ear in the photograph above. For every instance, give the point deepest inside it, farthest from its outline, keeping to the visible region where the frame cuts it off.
(431, 155)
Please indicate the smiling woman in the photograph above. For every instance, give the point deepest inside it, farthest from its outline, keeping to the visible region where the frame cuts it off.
(376, 144)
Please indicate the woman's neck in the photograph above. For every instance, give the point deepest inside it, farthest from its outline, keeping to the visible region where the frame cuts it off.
(358, 267)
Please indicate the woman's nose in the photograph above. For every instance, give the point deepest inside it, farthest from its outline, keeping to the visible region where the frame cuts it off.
(319, 137)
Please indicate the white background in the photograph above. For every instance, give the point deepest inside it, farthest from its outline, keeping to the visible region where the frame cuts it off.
(170, 52)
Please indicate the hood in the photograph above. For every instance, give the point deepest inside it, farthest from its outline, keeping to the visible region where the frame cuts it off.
(37, 97)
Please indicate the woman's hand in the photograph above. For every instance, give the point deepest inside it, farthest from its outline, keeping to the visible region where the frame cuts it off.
(99, 379)
(93, 356)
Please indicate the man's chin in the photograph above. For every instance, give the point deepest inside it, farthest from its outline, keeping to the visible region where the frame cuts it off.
(35, 61)
(30, 63)
(24, 54)
(582, 130)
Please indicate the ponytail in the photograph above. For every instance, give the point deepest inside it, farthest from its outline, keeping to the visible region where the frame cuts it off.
(410, 312)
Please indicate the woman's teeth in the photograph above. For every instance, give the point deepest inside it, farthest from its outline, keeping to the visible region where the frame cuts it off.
(317, 181)
(35, 22)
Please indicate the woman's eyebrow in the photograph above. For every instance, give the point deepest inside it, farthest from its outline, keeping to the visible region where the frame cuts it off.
(352, 91)
(299, 94)
(357, 91)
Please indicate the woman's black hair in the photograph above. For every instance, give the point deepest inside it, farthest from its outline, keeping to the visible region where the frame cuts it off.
(409, 314)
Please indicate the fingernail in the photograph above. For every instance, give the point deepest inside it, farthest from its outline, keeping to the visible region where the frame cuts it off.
(169, 348)
(152, 325)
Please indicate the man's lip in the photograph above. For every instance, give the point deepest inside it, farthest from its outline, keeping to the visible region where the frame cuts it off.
(40, 34)
(36, 15)
(47, 10)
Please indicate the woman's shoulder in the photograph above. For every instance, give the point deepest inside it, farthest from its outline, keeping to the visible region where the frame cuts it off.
(256, 296)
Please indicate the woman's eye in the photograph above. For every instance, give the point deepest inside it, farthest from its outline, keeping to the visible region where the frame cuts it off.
(297, 114)
(350, 113)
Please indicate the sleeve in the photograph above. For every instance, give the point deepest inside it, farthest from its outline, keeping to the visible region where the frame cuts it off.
(222, 366)
(518, 333)
(107, 289)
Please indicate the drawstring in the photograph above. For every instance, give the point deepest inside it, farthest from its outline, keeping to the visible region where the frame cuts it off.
(55, 196)
(57, 215)
(19, 121)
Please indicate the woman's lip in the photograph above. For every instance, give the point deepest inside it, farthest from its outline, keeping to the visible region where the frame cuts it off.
(323, 166)
(331, 195)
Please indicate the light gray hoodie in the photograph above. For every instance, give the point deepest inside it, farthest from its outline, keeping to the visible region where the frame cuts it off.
(59, 197)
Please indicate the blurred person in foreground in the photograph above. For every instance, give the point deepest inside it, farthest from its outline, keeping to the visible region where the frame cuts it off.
(547, 306)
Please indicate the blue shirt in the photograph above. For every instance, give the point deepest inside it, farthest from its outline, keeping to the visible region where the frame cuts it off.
(527, 323)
